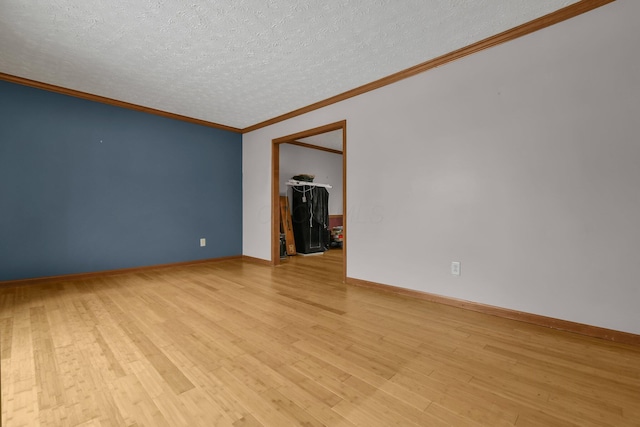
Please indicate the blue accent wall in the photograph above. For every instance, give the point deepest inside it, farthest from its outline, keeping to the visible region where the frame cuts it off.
(88, 187)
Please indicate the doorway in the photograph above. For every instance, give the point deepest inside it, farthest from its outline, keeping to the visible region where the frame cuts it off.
(295, 139)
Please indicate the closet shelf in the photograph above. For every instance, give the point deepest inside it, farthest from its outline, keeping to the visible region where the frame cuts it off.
(294, 183)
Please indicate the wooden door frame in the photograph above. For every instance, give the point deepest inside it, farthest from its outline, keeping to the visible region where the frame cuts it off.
(275, 187)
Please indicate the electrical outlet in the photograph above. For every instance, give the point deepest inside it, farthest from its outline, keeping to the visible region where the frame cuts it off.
(203, 242)
(455, 268)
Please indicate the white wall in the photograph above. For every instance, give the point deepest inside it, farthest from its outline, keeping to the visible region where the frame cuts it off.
(326, 166)
(521, 161)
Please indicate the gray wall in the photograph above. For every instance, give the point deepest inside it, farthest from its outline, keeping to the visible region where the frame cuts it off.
(520, 161)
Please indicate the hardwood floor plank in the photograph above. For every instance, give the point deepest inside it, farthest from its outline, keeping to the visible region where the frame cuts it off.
(50, 392)
(247, 421)
(393, 401)
(321, 412)
(368, 370)
(169, 372)
(6, 337)
(204, 410)
(292, 410)
(315, 399)
(451, 416)
(112, 360)
(265, 412)
(19, 389)
(535, 418)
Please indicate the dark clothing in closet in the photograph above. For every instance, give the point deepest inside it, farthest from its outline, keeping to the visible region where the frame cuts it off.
(310, 218)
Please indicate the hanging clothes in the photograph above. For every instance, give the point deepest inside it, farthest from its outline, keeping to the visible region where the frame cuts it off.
(310, 217)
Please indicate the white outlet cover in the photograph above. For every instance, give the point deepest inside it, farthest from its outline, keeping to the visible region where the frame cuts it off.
(455, 268)
(203, 242)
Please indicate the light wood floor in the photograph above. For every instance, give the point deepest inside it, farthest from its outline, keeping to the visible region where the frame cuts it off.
(239, 344)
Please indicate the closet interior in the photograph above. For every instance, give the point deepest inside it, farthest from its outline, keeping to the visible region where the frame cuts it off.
(311, 199)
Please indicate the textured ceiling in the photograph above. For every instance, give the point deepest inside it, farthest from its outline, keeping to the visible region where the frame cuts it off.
(239, 62)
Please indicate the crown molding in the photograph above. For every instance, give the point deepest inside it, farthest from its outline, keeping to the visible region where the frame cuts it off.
(111, 101)
(552, 18)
